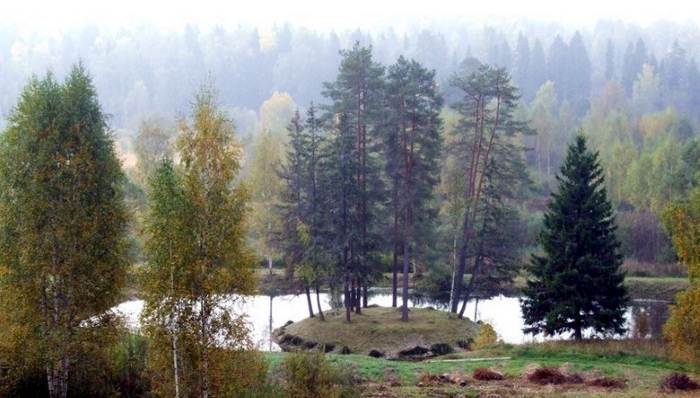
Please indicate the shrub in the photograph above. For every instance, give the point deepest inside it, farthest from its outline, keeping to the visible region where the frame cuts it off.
(486, 374)
(678, 382)
(487, 336)
(309, 375)
(683, 324)
(441, 349)
(376, 354)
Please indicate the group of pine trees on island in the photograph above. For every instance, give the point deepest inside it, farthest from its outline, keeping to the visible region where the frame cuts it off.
(364, 177)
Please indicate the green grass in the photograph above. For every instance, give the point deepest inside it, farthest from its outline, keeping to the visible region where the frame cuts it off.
(641, 363)
(381, 329)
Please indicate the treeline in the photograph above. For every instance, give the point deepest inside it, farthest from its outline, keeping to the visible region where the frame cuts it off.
(134, 67)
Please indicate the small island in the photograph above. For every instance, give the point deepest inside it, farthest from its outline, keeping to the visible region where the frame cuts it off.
(379, 332)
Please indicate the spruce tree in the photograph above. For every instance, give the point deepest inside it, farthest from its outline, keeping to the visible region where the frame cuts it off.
(576, 284)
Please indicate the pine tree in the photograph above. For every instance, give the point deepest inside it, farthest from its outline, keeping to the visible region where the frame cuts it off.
(62, 221)
(487, 122)
(577, 284)
(412, 144)
(357, 95)
(339, 169)
(300, 205)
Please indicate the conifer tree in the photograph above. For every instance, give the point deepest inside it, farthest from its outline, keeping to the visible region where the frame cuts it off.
(412, 145)
(62, 222)
(357, 95)
(486, 126)
(577, 284)
(341, 193)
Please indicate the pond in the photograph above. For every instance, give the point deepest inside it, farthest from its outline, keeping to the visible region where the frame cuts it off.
(266, 313)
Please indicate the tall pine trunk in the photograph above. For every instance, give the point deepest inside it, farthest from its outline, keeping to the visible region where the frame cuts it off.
(404, 299)
(308, 300)
(395, 279)
(318, 304)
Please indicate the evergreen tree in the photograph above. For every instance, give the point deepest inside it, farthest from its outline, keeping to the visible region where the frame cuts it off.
(487, 124)
(522, 74)
(412, 147)
(635, 56)
(577, 283)
(538, 67)
(338, 181)
(357, 95)
(578, 74)
(62, 222)
(300, 205)
(610, 61)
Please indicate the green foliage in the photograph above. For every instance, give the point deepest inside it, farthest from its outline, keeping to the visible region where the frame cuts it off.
(62, 222)
(310, 375)
(681, 328)
(577, 283)
(486, 336)
(195, 250)
(682, 220)
(352, 176)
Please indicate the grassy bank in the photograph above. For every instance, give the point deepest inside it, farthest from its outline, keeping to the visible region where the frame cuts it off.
(640, 364)
(381, 329)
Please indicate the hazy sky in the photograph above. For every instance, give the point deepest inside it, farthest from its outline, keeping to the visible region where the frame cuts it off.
(51, 15)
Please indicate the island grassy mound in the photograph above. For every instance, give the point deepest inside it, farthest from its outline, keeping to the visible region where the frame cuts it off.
(379, 332)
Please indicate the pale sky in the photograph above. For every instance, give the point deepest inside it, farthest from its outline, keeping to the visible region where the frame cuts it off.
(52, 15)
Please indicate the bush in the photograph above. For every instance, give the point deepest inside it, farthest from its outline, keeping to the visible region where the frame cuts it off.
(309, 375)
(487, 336)
(441, 349)
(683, 324)
(678, 382)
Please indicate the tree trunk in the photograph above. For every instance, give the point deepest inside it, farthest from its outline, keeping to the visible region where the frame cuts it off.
(347, 299)
(175, 320)
(395, 279)
(454, 269)
(404, 307)
(578, 335)
(358, 297)
(57, 377)
(476, 306)
(318, 304)
(269, 264)
(308, 301)
(205, 348)
(364, 296)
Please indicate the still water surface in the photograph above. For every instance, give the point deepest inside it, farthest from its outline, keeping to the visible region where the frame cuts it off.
(266, 313)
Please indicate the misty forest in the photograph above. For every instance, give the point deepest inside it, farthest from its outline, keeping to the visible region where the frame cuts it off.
(455, 210)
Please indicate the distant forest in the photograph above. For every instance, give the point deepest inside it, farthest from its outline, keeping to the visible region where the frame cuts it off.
(635, 91)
